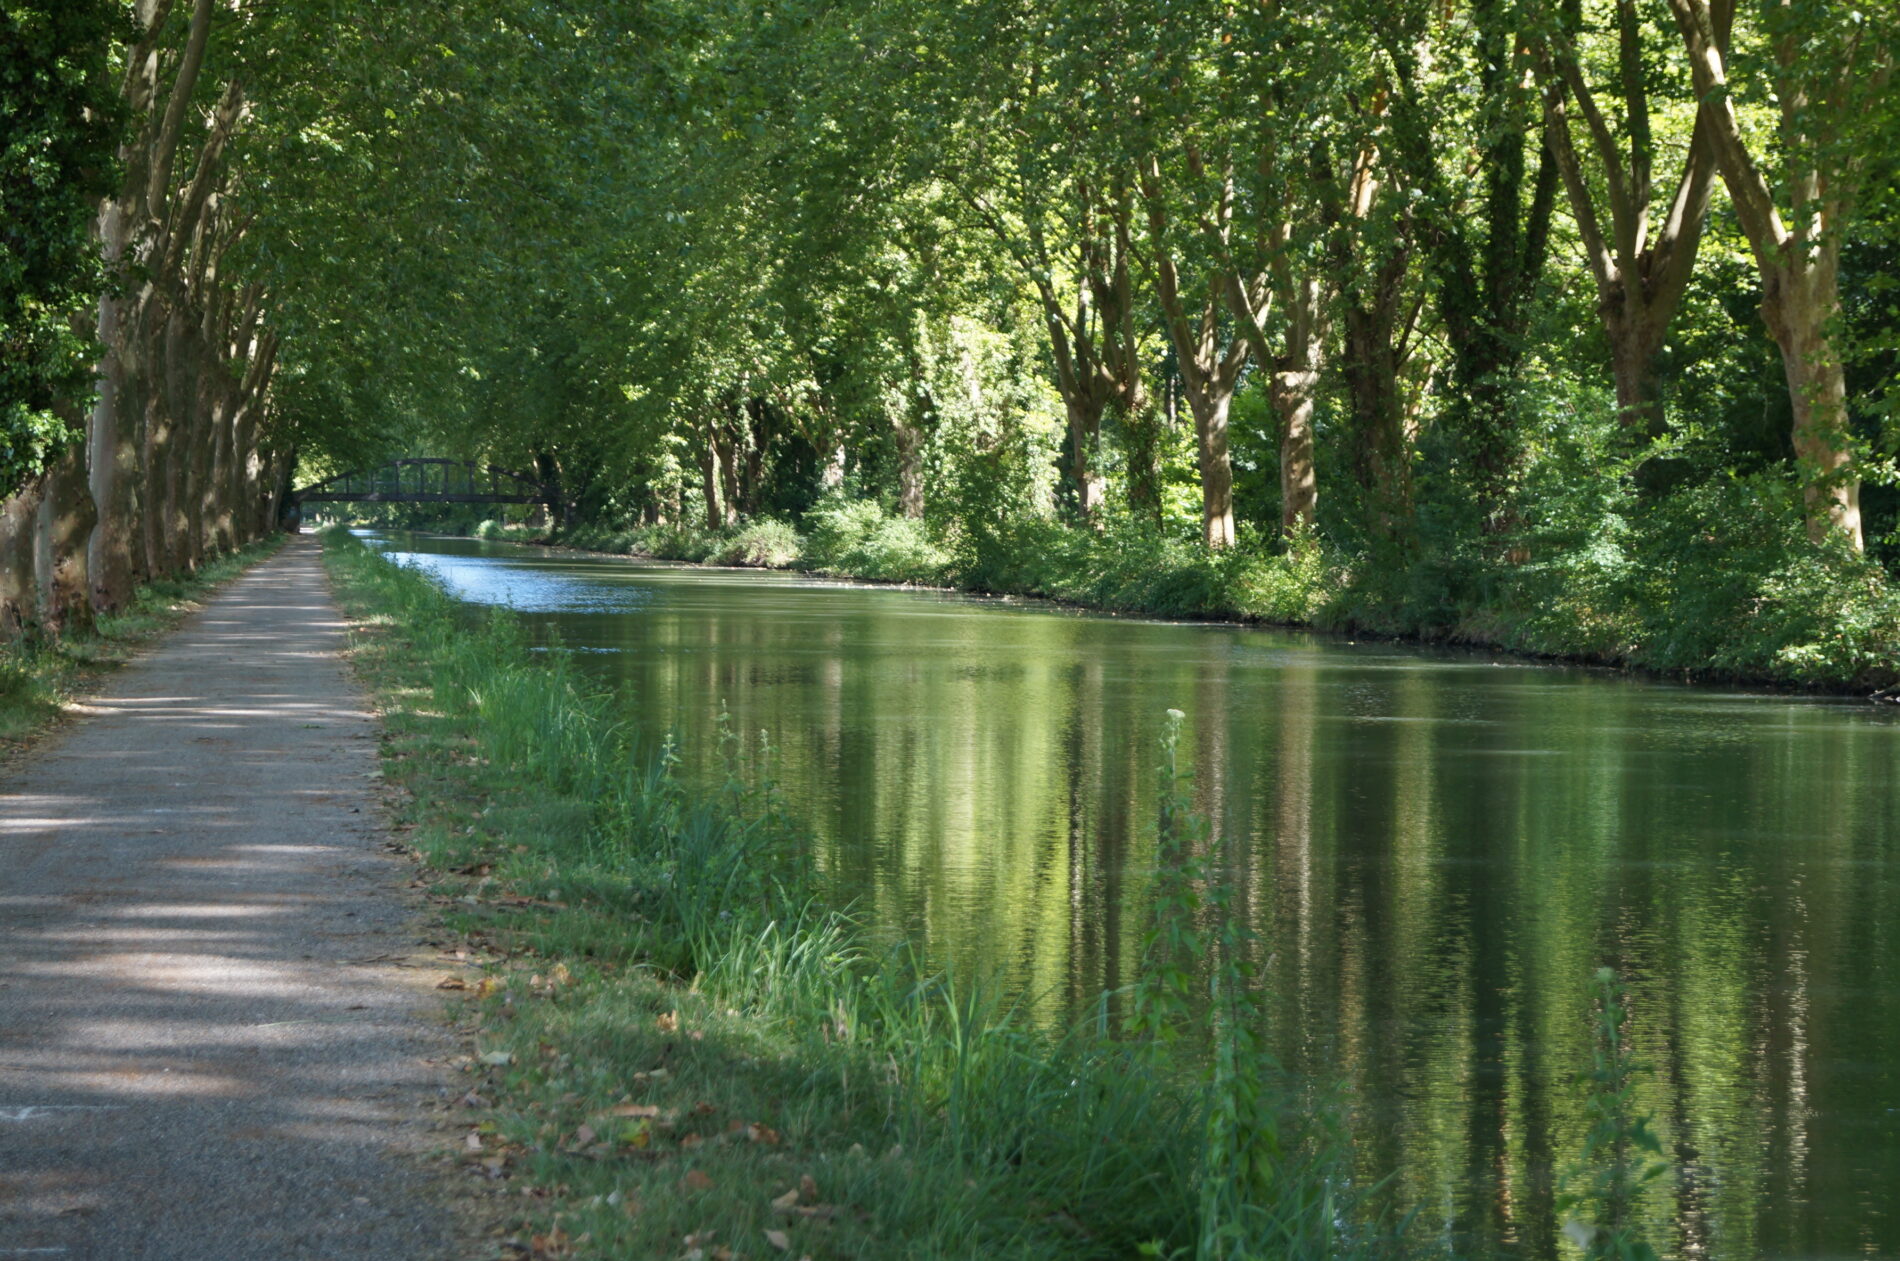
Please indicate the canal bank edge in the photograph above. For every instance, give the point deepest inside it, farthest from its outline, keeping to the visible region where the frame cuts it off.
(1297, 606)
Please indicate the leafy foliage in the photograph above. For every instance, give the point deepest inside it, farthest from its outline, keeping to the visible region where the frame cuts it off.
(58, 134)
(1621, 1153)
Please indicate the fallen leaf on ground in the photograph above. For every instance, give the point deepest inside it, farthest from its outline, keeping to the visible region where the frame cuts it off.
(779, 1239)
(668, 1022)
(451, 983)
(584, 1135)
(697, 1180)
(806, 1187)
(473, 1142)
(784, 1202)
(497, 1059)
(647, 1110)
(762, 1134)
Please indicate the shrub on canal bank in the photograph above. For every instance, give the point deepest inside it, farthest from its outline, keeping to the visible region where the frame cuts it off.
(679, 1042)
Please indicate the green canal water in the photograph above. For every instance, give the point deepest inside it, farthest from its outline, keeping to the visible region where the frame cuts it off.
(1440, 848)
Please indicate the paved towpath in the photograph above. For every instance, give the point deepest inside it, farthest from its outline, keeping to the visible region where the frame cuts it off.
(206, 1051)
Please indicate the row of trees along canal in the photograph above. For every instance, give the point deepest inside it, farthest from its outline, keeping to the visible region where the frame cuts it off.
(1410, 242)
(1492, 280)
(161, 208)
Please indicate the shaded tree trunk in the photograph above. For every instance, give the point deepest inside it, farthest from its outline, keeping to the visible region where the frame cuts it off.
(66, 518)
(19, 580)
(113, 442)
(1292, 390)
(1141, 428)
(1800, 307)
(1209, 370)
(712, 477)
(1380, 452)
(910, 468)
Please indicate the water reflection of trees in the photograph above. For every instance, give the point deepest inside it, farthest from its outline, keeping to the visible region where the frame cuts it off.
(1436, 857)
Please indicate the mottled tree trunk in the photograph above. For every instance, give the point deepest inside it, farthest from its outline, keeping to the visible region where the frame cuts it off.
(19, 582)
(831, 476)
(279, 466)
(1210, 410)
(729, 473)
(194, 462)
(1209, 370)
(1799, 306)
(1085, 437)
(1209, 377)
(910, 467)
(247, 457)
(243, 474)
(160, 466)
(217, 484)
(1292, 391)
(1380, 453)
(1141, 450)
(114, 550)
(66, 519)
(711, 476)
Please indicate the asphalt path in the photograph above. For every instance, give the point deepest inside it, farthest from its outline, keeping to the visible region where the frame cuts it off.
(214, 1038)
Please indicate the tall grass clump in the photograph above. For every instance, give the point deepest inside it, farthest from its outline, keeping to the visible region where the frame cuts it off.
(1601, 1193)
(29, 693)
(1274, 1167)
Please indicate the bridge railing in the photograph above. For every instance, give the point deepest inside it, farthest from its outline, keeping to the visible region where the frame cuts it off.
(427, 480)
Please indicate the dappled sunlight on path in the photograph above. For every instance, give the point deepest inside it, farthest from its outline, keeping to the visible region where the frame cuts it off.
(209, 1043)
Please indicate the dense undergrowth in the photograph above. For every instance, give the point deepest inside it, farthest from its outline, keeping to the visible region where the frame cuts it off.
(40, 674)
(680, 1043)
(1717, 580)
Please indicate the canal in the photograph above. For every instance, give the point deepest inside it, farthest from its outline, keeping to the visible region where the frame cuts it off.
(1438, 848)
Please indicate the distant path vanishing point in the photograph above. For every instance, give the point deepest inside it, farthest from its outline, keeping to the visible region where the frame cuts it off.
(207, 1050)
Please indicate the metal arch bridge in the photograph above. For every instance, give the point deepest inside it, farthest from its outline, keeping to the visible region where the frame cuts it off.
(428, 481)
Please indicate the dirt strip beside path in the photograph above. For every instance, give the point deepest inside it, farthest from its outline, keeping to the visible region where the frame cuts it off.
(207, 1047)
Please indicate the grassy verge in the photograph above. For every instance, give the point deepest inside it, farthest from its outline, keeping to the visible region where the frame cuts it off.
(677, 1050)
(39, 677)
